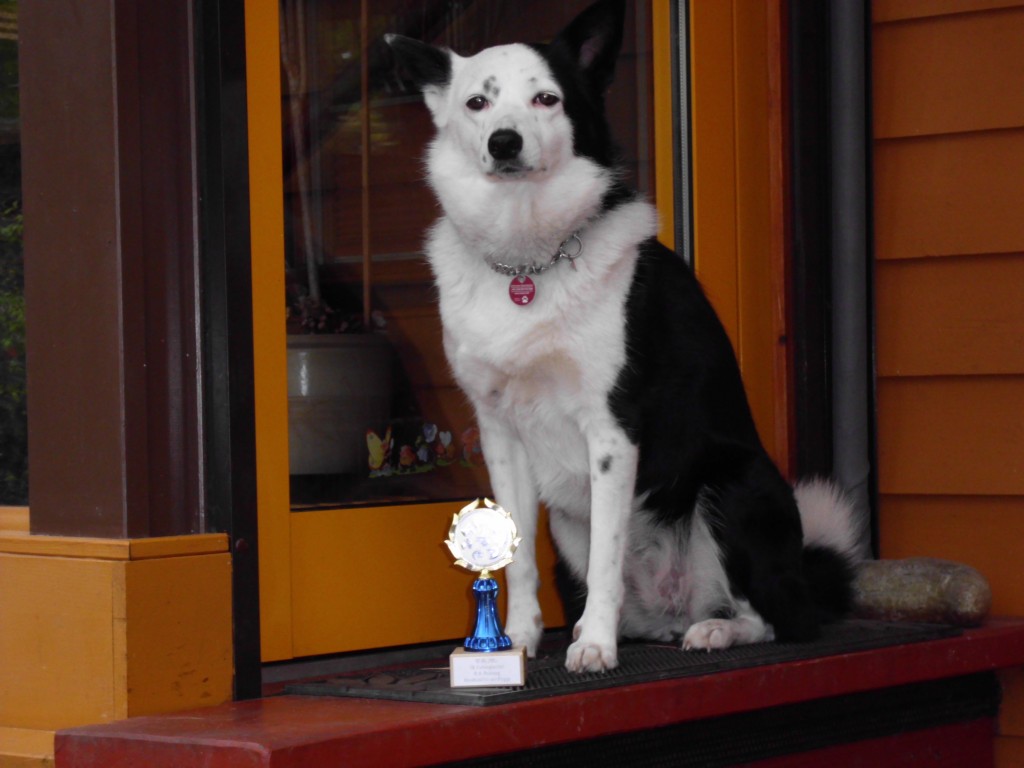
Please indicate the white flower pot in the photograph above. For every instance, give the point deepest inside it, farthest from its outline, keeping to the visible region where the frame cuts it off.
(339, 385)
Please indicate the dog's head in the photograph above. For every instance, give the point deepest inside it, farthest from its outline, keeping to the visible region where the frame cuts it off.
(521, 110)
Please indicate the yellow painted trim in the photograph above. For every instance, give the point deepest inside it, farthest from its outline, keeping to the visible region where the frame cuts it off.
(755, 287)
(61, 546)
(113, 549)
(664, 146)
(174, 620)
(714, 158)
(86, 640)
(266, 201)
(13, 519)
(177, 546)
(57, 642)
(23, 747)
(372, 578)
(737, 218)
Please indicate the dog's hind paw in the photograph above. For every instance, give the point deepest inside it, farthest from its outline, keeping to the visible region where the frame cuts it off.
(715, 634)
(712, 634)
(584, 656)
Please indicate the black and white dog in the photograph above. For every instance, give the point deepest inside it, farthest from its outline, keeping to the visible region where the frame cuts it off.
(603, 382)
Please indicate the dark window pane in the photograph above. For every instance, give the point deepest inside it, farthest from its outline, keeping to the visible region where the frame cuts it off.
(395, 428)
(13, 421)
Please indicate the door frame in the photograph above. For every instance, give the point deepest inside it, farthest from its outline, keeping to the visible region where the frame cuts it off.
(736, 57)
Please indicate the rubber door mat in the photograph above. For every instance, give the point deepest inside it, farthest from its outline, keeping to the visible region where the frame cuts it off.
(638, 663)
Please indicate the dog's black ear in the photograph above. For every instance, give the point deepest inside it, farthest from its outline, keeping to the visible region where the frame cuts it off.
(593, 40)
(425, 65)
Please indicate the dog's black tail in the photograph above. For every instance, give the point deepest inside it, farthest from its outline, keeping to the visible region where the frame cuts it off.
(833, 543)
(829, 577)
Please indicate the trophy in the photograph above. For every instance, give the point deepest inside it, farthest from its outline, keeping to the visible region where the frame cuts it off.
(483, 538)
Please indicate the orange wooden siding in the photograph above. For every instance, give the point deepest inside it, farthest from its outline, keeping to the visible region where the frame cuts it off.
(954, 195)
(955, 316)
(959, 435)
(948, 79)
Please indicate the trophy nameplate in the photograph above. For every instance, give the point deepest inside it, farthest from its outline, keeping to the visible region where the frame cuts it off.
(483, 539)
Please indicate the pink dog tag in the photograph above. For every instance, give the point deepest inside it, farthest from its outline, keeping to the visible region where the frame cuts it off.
(521, 290)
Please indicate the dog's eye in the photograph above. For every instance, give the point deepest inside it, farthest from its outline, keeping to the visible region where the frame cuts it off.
(476, 103)
(546, 99)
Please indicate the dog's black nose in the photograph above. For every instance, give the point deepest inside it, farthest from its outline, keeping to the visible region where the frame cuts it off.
(504, 144)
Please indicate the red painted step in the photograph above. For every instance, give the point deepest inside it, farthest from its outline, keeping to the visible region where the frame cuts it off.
(305, 731)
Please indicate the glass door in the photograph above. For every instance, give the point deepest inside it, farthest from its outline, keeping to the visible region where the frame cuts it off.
(374, 416)
(365, 446)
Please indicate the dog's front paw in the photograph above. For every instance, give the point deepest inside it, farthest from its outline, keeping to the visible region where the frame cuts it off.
(587, 656)
(712, 634)
(526, 633)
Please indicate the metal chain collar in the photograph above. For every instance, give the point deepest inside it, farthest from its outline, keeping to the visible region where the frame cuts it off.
(510, 270)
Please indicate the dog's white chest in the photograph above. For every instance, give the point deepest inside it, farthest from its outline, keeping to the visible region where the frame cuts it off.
(544, 369)
(538, 390)
(543, 373)
(516, 360)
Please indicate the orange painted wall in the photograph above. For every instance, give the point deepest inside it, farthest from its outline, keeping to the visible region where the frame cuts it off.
(949, 246)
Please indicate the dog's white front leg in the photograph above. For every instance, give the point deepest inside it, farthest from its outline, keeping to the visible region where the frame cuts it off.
(613, 463)
(514, 490)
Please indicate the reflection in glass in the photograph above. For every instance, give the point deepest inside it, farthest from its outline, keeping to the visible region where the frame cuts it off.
(385, 422)
(13, 416)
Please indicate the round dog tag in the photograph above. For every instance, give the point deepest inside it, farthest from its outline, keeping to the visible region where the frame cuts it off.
(521, 290)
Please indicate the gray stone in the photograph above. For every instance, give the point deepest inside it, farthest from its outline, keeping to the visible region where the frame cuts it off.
(921, 589)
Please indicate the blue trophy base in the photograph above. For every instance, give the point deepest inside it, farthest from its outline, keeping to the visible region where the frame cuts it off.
(487, 644)
(487, 634)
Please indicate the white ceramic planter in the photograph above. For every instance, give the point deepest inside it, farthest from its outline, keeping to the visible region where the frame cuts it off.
(339, 386)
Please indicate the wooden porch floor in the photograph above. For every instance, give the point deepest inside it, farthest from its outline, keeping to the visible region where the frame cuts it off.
(305, 731)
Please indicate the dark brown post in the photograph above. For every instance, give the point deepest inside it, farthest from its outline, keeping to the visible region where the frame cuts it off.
(108, 141)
